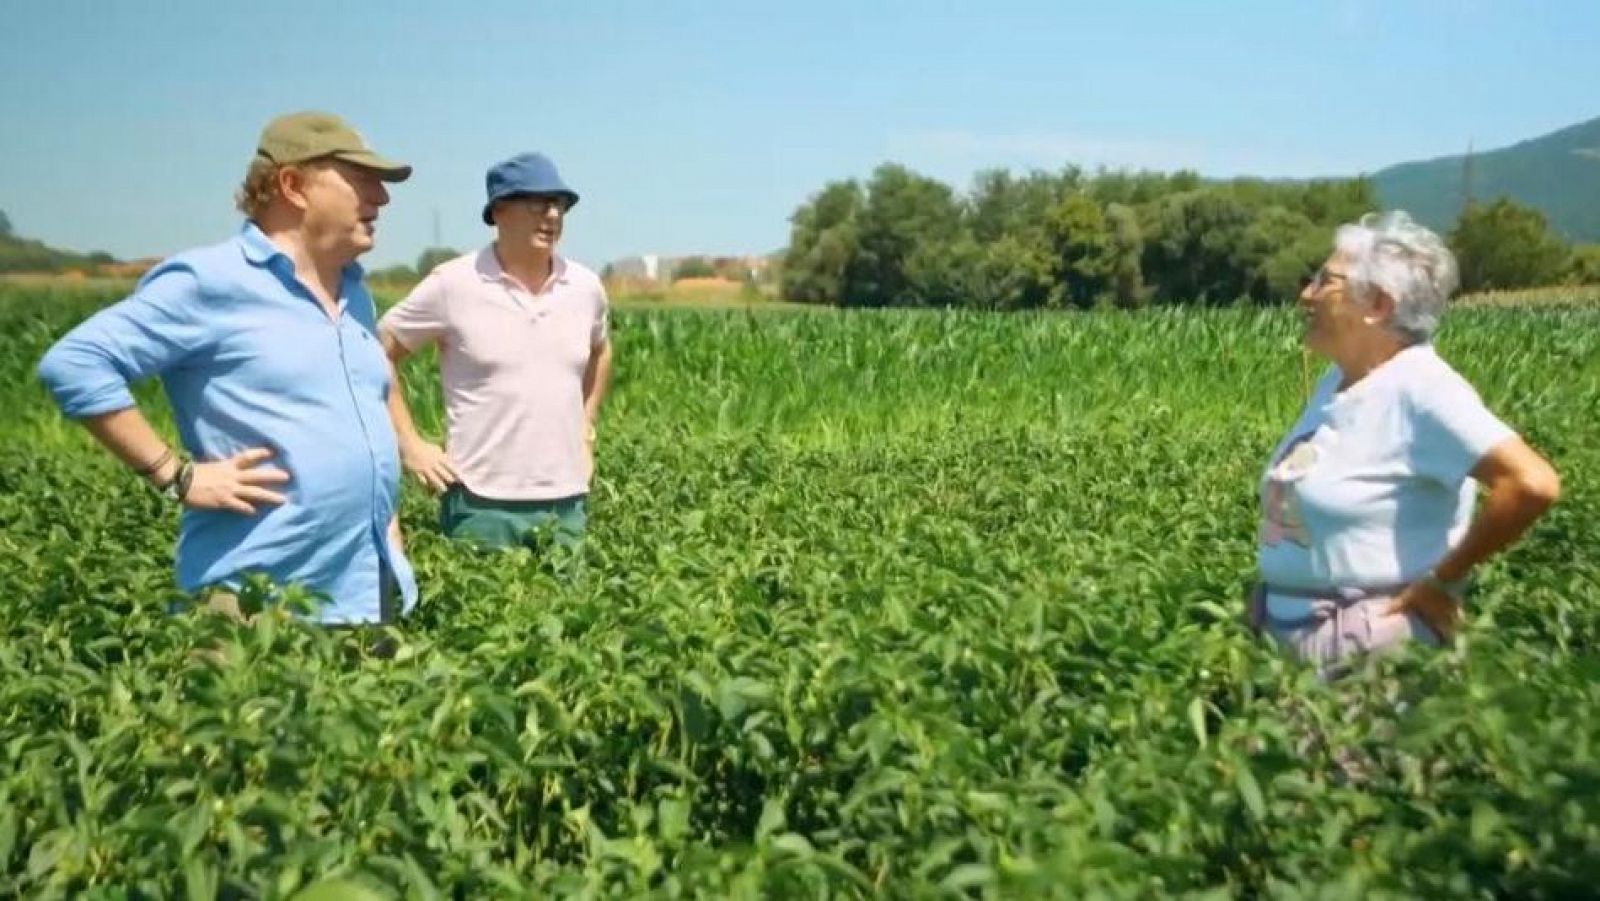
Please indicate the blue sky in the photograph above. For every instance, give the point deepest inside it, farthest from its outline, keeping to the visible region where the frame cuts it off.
(698, 126)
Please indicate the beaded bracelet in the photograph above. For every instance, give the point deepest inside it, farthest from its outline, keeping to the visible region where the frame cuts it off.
(153, 468)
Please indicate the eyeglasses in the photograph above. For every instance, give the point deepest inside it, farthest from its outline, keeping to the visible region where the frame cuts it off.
(1324, 278)
(541, 205)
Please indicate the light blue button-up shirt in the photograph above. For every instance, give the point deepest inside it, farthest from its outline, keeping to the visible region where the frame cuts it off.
(248, 358)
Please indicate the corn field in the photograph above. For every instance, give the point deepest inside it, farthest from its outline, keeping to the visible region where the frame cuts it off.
(872, 604)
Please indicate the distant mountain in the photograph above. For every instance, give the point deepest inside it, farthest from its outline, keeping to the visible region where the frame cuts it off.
(1558, 174)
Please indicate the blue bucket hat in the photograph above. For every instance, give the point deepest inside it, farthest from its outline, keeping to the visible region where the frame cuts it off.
(524, 174)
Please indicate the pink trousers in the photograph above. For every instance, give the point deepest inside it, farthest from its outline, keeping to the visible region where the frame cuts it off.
(1339, 627)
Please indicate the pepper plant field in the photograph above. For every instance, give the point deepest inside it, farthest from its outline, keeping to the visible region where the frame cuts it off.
(901, 604)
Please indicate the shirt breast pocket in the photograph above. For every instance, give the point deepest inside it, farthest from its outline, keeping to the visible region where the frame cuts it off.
(369, 368)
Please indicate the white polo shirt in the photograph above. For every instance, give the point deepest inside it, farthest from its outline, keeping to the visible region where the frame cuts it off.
(511, 365)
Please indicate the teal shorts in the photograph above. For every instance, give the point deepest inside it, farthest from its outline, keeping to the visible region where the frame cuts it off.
(489, 523)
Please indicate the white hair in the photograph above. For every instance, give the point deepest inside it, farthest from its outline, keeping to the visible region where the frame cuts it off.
(1389, 252)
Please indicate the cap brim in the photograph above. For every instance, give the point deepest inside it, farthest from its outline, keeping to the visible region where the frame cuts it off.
(386, 169)
(488, 208)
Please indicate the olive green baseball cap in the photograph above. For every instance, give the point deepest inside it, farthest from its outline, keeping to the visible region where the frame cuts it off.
(301, 137)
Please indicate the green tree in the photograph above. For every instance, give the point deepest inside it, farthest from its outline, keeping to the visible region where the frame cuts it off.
(432, 257)
(1281, 248)
(1583, 267)
(1009, 273)
(1127, 246)
(947, 274)
(395, 275)
(1000, 204)
(1019, 273)
(1136, 188)
(1332, 202)
(1195, 247)
(693, 267)
(822, 242)
(1048, 239)
(903, 211)
(1080, 241)
(5, 225)
(1505, 245)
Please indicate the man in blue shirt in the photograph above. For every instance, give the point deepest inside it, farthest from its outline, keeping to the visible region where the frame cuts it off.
(266, 346)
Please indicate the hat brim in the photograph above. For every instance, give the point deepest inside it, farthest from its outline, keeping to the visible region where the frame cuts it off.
(385, 169)
(488, 208)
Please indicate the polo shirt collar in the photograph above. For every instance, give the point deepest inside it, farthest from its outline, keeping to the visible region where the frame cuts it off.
(489, 269)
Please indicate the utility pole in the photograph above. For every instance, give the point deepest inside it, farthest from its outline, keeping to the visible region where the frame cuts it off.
(1466, 178)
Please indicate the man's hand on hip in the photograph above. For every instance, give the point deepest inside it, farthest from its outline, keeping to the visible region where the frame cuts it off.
(238, 483)
(431, 464)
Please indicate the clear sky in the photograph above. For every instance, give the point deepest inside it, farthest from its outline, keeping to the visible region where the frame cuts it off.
(694, 127)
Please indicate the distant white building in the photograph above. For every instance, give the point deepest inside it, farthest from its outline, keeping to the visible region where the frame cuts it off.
(647, 266)
(657, 268)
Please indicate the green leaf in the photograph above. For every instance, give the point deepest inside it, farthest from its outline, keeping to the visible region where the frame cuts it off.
(199, 879)
(672, 816)
(8, 831)
(1250, 791)
(772, 818)
(795, 844)
(1197, 720)
(969, 876)
(342, 889)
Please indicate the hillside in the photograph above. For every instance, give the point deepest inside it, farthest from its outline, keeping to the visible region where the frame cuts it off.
(19, 254)
(1558, 174)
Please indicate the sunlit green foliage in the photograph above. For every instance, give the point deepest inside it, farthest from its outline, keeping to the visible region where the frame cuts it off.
(873, 603)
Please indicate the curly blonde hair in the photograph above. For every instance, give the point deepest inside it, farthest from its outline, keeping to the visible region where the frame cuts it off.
(259, 187)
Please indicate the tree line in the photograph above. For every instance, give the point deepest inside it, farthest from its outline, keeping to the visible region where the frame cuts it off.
(1073, 239)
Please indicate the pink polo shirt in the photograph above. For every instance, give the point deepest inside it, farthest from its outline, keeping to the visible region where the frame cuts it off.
(511, 364)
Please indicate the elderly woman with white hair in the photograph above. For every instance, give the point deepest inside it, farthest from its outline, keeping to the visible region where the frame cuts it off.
(1367, 531)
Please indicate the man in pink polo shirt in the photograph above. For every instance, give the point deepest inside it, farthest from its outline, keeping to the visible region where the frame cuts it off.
(524, 359)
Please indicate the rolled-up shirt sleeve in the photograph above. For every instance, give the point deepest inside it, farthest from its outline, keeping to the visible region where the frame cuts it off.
(89, 370)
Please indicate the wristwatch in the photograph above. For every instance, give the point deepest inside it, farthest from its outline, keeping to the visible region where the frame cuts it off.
(178, 488)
